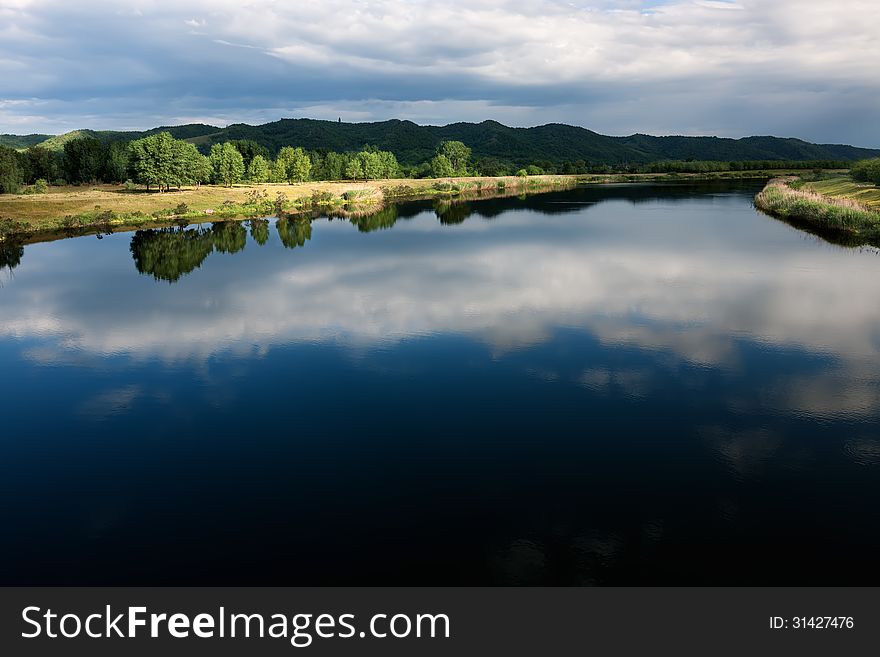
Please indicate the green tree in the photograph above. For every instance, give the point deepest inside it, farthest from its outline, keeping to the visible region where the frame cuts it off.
(43, 163)
(188, 166)
(202, 169)
(258, 170)
(371, 164)
(116, 157)
(459, 156)
(83, 159)
(227, 163)
(11, 175)
(152, 160)
(866, 171)
(250, 149)
(293, 164)
(388, 165)
(441, 167)
(354, 169)
(328, 165)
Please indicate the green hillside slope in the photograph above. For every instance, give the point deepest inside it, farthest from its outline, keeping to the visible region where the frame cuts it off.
(556, 143)
(22, 141)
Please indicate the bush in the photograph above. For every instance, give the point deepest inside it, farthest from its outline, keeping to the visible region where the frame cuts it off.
(322, 198)
(129, 185)
(41, 186)
(867, 171)
(60, 182)
(280, 202)
(256, 197)
(522, 173)
(182, 208)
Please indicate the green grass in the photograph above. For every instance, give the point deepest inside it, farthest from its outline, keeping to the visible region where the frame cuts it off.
(104, 208)
(802, 202)
(844, 187)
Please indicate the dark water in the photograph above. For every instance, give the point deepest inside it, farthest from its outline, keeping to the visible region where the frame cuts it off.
(617, 385)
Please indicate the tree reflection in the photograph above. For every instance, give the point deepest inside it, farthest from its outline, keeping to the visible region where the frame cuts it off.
(450, 213)
(294, 232)
(11, 253)
(229, 236)
(259, 230)
(169, 253)
(384, 218)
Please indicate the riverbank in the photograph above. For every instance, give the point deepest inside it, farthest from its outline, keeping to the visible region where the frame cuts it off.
(800, 202)
(62, 211)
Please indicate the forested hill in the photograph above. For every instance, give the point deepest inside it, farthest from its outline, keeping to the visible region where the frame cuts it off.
(412, 143)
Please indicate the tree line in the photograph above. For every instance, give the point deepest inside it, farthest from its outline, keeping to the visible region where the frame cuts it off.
(159, 161)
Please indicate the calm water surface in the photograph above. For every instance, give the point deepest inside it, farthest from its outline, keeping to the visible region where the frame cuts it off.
(615, 385)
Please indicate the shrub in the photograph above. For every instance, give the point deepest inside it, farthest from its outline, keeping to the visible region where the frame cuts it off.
(41, 186)
(322, 198)
(59, 182)
(280, 202)
(866, 171)
(182, 208)
(255, 197)
(522, 173)
(129, 185)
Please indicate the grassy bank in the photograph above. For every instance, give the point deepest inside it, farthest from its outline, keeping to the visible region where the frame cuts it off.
(801, 202)
(845, 187)
(77, 209)
(108, 208)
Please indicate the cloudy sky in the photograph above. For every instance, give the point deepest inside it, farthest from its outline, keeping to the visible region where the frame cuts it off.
(806, 68)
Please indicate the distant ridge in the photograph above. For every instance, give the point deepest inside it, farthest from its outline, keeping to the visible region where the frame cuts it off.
(413, 143)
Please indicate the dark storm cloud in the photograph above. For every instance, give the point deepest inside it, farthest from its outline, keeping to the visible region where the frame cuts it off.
(732, 68)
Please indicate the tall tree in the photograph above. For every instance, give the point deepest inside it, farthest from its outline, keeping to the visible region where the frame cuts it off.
(388, 164)
(250, 149)
(11, 176)
(42, 163)
(458, 154)
(354, 169)
(116, 158)
(228, 164)
(152, 160)
(441, 167)
(293, 164)
(370, 164)
(83, 159)
(258, 170)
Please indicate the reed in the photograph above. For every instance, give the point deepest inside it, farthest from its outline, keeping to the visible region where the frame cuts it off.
(780, 199)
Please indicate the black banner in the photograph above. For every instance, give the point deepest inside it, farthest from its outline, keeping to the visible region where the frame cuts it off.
(438, 621)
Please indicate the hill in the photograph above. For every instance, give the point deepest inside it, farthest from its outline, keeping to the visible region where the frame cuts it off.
(22, 141)
(555, 142)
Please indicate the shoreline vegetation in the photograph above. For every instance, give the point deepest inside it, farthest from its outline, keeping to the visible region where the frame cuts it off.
(82, 183)
(68, 211)
(835, 207)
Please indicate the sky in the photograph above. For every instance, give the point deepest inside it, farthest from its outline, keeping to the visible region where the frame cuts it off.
(791, 68)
